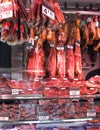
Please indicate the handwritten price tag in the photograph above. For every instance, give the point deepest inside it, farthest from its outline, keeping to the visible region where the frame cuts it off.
(74, 92)
(48, 12)
(6, 10)
(15, 91)
(43, 117)
(91, 113)
(4, 118)
(60, 48)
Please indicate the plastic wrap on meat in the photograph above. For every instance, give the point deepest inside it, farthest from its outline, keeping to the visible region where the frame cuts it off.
(70, 62)
(61, 63)
(77, 61)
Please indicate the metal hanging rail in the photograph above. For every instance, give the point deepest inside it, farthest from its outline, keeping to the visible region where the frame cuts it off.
(81, 12)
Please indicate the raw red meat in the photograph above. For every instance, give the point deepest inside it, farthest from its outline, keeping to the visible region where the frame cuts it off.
(51, 92)
(78, 83)
(12, 83)
(3, 82)
(23, 84)
(77, 61)
(61, 62)
(52, 63)
(64, 83)
(36, 84)
(39, 62)
(32, 11)
(51, 82)
(92, 90)
(95, 79)
(70, 62)
(91, 84)
(83, 90)
(63, 92)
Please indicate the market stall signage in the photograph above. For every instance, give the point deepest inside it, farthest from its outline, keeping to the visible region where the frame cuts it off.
(6, 10)
(48, 12)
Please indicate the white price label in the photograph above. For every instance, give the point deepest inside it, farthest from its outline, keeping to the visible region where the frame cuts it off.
(31, 40)
(43, 117)
(91, 113)
(6, 10)
(4, 118)
(15, 91)
(74, 92)
(60, 48)
(48, 12)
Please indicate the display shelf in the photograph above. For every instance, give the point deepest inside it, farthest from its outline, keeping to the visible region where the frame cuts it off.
(26, 97)
(47, 121)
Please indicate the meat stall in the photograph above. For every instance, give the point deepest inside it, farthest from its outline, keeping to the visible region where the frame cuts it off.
(45, 82)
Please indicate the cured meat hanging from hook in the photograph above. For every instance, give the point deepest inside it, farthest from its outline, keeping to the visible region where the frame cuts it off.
(39, 70)
(61, 55)
(58, 13)
(52, 56)
(32, 11)
(70, 62)
(5, 32)
(23, 9)
(38, 12)
(31, 55)
(77, 61)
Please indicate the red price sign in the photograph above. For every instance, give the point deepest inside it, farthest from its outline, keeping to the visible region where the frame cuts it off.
(6, 10)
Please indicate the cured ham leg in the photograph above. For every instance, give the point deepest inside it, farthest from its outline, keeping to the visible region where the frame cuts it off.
(39, 60)
(58, 13)
(77, 61)
(52, 63)
(70, 62)
(61, 63)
